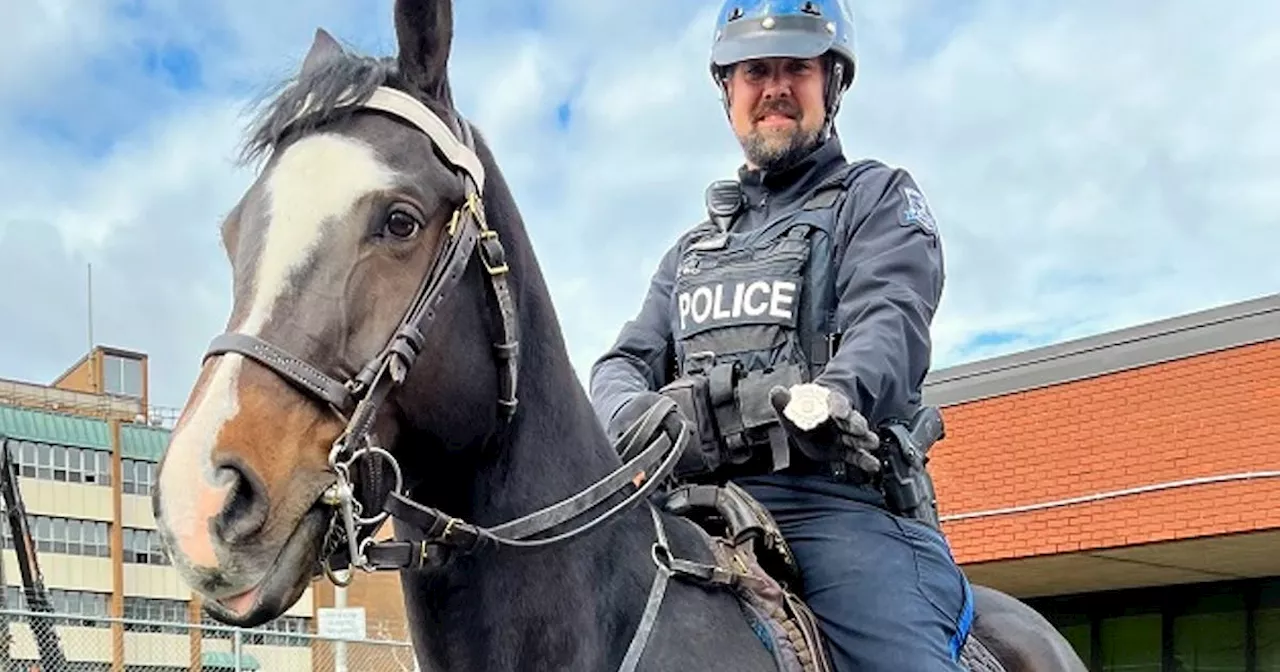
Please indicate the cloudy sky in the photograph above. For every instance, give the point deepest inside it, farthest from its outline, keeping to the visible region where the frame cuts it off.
(1093, 164)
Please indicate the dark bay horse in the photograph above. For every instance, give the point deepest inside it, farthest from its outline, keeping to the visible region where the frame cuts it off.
(392, 349)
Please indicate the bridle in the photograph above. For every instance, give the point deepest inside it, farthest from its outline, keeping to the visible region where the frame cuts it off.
(650, 449)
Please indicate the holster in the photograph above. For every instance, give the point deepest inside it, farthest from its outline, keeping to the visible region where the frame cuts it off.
(905, 481)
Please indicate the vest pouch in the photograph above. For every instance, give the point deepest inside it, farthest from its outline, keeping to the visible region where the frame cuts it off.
(691, 394)
(760, 423)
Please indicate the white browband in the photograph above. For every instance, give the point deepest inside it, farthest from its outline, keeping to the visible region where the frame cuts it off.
(412, 110)
(405, 106)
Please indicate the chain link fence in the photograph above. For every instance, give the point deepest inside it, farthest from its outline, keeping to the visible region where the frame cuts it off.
(60, 642)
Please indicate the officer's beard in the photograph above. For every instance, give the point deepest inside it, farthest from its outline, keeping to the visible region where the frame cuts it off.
(773, 153)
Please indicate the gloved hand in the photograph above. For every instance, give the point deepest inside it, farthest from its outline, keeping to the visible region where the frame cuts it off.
(630, 412)
(825, 425)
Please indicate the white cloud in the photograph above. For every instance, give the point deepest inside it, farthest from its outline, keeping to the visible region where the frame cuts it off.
(1092, 164)
(52, 37)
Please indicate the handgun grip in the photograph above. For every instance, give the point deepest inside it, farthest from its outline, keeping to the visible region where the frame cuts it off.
(926, 429)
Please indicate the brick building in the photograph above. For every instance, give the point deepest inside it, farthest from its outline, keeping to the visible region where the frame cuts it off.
(1128, 486)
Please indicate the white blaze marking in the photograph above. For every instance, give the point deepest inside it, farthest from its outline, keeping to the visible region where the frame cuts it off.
(317, 180)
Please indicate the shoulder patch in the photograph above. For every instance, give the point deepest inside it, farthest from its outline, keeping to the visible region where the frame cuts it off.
(916, 212)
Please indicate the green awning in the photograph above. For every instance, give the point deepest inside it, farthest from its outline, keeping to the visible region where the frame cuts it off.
(60, 428)
(143, 442)
(225, 660)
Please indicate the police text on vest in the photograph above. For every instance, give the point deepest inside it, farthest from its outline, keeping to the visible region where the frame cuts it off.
(750, 299)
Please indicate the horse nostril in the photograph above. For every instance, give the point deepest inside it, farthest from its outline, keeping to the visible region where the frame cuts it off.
(245, 511)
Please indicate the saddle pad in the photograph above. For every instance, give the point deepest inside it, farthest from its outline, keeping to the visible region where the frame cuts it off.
(976, 657)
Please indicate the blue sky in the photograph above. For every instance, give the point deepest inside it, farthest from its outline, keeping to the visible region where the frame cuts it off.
(1092, 164)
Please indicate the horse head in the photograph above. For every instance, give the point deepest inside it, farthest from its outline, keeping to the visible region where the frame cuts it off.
(368, 267)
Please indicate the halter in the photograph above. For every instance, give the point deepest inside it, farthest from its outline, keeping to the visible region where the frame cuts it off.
(650, 449)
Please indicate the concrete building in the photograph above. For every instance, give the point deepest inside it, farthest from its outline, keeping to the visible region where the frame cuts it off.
(87, 445)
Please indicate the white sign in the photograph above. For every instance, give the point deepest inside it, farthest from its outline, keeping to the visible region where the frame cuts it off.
(341, 622)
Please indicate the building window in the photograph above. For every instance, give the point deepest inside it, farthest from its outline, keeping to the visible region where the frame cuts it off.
(71, 536)
(136, 477)
(1131, 643)
(1228, 625)
(1267, 624)
(282, 631)
(1209, 633)
(142, 547)
(122, 375)
(67, 464)
(276, 632)
(92, 606)
(155, 613)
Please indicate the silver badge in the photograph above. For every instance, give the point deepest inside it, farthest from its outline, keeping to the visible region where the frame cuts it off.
(809, 407)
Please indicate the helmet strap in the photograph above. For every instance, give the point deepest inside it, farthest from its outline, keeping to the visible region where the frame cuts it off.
(834, 93)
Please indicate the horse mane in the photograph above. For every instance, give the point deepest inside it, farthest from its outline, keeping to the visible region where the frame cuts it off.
(320, 94)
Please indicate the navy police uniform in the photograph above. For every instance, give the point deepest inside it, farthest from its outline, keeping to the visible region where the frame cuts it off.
(829, 272)
(824, 272)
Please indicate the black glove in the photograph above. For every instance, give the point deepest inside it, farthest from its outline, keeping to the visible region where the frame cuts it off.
(630, 412)
(825, 426)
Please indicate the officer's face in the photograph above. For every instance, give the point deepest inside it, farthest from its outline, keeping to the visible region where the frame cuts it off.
(775, 106)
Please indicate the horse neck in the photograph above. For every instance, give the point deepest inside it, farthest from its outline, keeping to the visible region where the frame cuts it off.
(556, 448)
(503, 608)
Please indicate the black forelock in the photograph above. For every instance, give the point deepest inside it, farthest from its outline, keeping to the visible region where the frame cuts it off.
(322, 95)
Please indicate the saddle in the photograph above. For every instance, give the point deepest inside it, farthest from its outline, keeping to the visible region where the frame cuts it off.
(753, 560)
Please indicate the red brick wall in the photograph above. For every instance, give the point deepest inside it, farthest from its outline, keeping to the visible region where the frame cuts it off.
(1212, 414)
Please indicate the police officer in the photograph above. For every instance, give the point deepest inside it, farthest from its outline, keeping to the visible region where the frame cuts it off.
(811, 273)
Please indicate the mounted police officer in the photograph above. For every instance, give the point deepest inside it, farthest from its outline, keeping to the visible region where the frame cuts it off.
(793, 328)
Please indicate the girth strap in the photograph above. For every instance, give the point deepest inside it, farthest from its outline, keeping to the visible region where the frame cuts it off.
(653, 605)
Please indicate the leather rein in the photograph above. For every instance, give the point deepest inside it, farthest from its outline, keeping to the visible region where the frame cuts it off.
(650, 449)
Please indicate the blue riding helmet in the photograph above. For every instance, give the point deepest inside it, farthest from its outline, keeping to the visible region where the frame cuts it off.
(747, 29)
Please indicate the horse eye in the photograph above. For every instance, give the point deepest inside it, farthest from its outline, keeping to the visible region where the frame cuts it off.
(402, 224)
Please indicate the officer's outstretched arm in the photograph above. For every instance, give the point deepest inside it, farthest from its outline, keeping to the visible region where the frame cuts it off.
(889, 280)
(637, 362)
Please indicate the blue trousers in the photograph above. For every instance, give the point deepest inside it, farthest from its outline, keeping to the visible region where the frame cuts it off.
(886, 590)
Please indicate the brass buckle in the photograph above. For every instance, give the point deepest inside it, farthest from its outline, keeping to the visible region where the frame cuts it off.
(448, 530)
(452, 229)
(490, 234)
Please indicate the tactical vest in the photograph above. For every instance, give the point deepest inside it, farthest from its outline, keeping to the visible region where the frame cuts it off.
(751, 310)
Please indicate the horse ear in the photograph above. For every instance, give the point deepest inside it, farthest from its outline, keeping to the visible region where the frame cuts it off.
(323, 48)
(424, 31)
